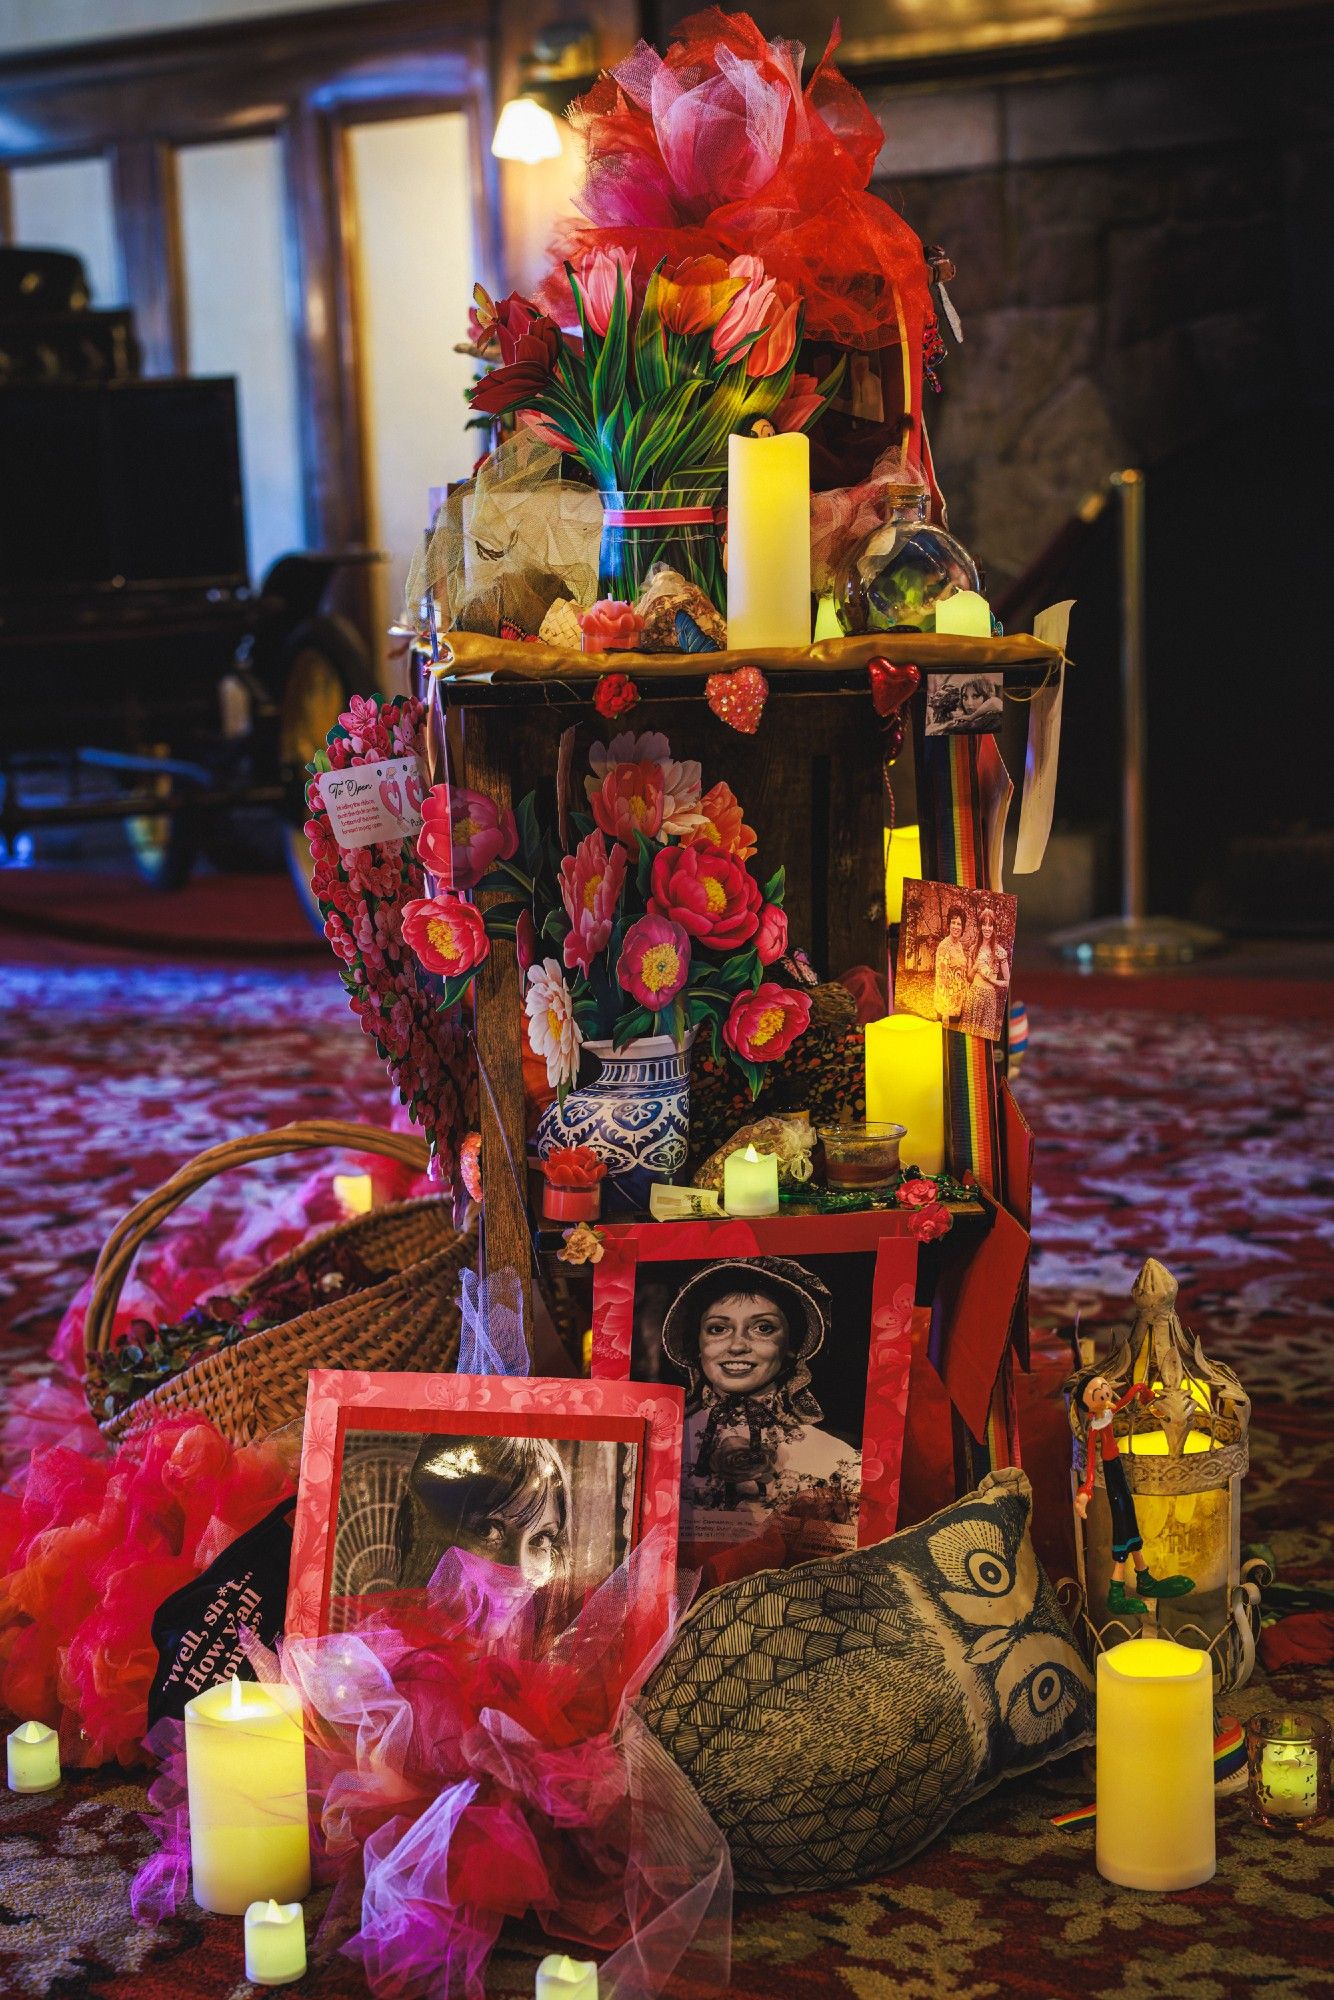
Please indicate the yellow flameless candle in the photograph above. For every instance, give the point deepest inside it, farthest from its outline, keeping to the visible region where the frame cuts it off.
(750, 1183)
(245, 1759)
(275, 1943)
(903, 863)
(769, 541)
(562, 1978)
(1155, 1765)
(32, 1758)
(966, 614)
(356, 1192)
(905, 1085)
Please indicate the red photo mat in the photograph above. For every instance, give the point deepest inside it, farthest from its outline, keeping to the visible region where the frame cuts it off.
(880, 1233)
(648, 1416)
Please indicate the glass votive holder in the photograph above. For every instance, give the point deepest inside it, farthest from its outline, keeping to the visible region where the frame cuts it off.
(861, 1157)
(1287, 1764)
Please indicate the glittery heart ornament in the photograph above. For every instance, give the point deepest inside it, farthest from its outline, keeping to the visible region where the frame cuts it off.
(891, 686)
(738, 698)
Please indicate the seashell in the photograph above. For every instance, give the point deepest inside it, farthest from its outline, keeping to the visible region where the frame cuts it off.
(667, 593)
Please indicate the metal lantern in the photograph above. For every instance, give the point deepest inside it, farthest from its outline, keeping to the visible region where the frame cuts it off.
(1185, 1454)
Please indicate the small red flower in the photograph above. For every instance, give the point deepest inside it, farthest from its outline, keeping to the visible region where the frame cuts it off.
(615, 694)
(929, 1222)
(771, 937)
(446, 934)
(918, 1193)
(609, 626)
(574, 1166)
(763, 1025)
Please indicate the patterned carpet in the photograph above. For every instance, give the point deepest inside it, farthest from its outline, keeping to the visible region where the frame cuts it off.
(1208, 1141)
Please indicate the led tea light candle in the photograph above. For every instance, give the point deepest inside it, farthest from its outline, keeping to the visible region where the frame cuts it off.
(245, 1758)
(356, 1192)
(1288, 1757)
(905, 1085)
(966, 614)
(1155, 1765)
(828, 624)
(562, 1978)
(903, 863)
(769, 541)
(275, 1943)
(750, 1183)
(32, 1755)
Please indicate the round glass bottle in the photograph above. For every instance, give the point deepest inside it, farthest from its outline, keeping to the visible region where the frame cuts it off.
(903, 569)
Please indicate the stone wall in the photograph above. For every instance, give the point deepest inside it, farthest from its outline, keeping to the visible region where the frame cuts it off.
(1143, 266)
(1144, 278)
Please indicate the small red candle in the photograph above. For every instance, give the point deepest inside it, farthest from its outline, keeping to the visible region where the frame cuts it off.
(573, 1191)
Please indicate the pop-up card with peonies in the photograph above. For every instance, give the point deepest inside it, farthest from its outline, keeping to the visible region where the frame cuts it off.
(655, 926)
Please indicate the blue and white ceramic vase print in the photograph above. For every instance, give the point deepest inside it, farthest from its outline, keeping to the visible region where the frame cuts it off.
(635, 1115)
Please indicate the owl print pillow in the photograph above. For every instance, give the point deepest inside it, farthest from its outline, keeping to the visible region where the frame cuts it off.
(834, 1717)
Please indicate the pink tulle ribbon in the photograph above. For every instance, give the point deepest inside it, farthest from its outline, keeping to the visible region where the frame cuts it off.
(459, 1778)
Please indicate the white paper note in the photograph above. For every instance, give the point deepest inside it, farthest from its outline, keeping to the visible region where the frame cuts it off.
(1044, 747)
(372, 803)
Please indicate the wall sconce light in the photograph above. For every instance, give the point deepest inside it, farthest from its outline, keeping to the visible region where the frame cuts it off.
(561, 64)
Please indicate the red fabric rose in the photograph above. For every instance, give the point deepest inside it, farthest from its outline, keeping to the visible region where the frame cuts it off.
(918, 1193)
(574, 1166)
(615, 694)
(763, 1025)
(867, 987)
(707, 893)
(610, 626)
(446, 934)
(771, 937)
(929, 1222)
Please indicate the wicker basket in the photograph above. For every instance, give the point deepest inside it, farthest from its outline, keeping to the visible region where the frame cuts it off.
(410, 1321)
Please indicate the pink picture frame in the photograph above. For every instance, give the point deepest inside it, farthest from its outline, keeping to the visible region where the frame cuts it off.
(882, 1237)
(346, 1407)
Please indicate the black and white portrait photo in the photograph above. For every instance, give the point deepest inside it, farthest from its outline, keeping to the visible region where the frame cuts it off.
(772, 1354)
(536, 1522)
(963, 704)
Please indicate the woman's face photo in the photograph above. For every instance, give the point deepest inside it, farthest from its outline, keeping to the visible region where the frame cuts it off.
(511, 1536)
(744, 1342)
(956, 925)
(988, 923)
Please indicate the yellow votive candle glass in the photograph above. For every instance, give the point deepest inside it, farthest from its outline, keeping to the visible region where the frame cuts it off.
(769, 541)
(356, 1192)
(750, 1183)
(562, 1978)
(245, 1759)
(32, 1758)
(905, 1085)
(966, 614)
(903, 863)
(275, 1943)
(1155, 1765)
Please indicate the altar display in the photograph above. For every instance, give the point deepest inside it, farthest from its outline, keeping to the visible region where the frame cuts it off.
(659, 1510)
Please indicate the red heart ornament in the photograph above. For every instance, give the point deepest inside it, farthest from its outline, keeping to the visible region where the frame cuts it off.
(738, 698)
(891, 685)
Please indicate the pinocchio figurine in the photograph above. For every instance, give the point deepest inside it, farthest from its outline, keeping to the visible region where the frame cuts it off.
(1098, 1399)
